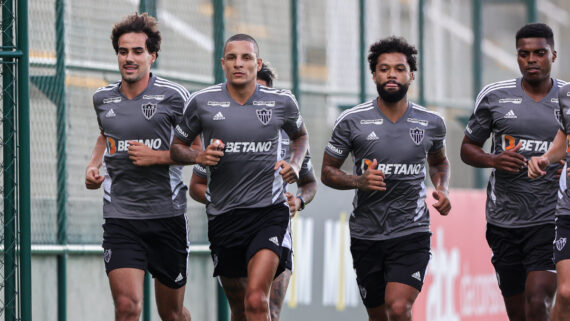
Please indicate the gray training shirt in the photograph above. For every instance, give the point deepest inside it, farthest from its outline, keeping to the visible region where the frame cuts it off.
(563, 205)
(306, 168)
(141, 192)
(244, 177)
(504, 110)
(401, 150)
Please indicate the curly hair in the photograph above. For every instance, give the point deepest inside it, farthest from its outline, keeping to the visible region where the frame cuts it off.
(389, 45)
(138, 23)
(267, 74)
(536, 30)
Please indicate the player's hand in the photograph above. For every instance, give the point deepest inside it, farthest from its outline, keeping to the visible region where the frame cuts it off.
(510, 160)
(92, 178)
(372, 179)
(289, 172)
(559, 171)
(443, 205)
(140, 154)
(537, 166)
(212, 154)
(293, 204)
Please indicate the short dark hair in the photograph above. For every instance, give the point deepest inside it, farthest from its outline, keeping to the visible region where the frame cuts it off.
(243, 37)
(267, 74)
(138, 23)
(536, 30)
(389, 45)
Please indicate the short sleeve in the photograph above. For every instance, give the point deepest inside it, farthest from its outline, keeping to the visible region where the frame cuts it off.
(189, 126)
(200, 171)
(339, 145)
(293, 119)
(438, 136)
(480, 123)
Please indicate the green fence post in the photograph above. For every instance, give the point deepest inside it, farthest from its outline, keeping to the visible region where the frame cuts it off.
(295, 49)
(24, 163)
(477, 25)
(60, 103)
(362, 48)
(531, 11)
(9, 157)
(421, 68)
(219, 24)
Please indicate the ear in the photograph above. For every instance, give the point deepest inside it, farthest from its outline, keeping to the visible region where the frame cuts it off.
(259, 63)
(412, 76)
(223, 62)
(554, 55)
(153, 58)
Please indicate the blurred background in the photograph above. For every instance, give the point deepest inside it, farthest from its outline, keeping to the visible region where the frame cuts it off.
(318, 48)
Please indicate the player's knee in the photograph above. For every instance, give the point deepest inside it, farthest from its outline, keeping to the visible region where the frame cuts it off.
(127, 307)
(400, 309)
(538, 302)
(563, 295)
(256, 302)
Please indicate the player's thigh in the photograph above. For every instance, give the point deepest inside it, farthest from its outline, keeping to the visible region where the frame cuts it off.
(234, 288)
(368, 261)
(126, 286)
(507, 259)
(169, 301)
(261, 270)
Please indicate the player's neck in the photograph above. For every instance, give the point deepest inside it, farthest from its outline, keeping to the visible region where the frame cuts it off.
(394, 111)
(537, 90)
(133, 89)
(241, 94)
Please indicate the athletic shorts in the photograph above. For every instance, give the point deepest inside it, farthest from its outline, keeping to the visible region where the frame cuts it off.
(518, 251)
(403, 260)
(561, 249)
(157, 245)
(235, 237)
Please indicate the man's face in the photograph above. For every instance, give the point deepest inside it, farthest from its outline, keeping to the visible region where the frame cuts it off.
(535, 58)
(392, 76)
(133, 57)
(240, 63)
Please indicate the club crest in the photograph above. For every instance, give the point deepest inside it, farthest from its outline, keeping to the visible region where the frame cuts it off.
(417, 135)
(148, 110)
(264, 115)
(557, 114)
(107, 255)
(560, 243)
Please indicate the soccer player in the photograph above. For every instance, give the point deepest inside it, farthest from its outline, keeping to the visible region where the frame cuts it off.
(538, 167)
(522, 116)
(145, 197)
(240, 122)
(307, 188)
(390, 139)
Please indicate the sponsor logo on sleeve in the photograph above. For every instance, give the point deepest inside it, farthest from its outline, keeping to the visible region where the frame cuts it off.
(155, 97)
(270, 103)
(422, 122)
(379, 121)
(181, 132)
(517, 101)
(557, 114)
(334, 149)
(468, 129)
(554, 100)
(264, 115)
(148, 110)
(299, 121)
(417, 135)
(219, 103)
(113, 100)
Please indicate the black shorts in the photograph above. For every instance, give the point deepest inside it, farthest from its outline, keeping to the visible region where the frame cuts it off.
(403, 260)
(235, 237)
(518, 251)
(561, 248)
(287, 249)
(159, 245)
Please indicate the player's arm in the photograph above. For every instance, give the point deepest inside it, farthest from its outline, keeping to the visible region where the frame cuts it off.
(198, 186)
(142, 155)
(538, 164)
(299, 142)
(439, 174)
(180, 153)
(92, 178)
(306, 190)
(333, 176)
(472, 153)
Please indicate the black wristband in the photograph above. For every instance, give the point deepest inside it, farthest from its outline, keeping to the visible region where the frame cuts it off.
(302, 203)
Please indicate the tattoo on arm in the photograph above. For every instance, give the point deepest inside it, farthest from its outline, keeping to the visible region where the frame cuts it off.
(333, 176)
(439, 169)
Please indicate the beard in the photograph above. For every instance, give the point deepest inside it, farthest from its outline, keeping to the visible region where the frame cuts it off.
(392, 96)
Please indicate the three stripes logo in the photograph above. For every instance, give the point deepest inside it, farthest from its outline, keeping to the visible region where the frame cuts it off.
(372, 136)
(219, 116)
(510, 115)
